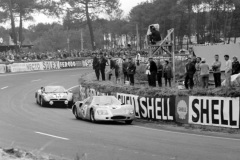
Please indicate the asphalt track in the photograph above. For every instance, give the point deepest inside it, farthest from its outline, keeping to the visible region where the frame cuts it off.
(24, 124)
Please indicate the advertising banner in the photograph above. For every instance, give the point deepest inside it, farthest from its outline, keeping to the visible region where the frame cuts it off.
(2, 68)
(214, 111)
(25, 67)
(51, 65)
(67, 64)
(34, 66)
(181, 110)
(162, 108)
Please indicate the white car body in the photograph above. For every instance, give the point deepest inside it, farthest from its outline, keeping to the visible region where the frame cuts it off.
(103, 108)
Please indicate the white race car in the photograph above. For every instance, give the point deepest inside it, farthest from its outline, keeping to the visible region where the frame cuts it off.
(53, 95)
(103, 108)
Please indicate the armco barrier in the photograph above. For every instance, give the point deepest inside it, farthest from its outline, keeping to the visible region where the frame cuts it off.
(199, 110)
(43, 65)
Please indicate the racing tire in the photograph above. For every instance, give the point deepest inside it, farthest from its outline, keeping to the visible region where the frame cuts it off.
(37, 100)
(92, 118)
(42, 103)
(75, 113)
(128, 121)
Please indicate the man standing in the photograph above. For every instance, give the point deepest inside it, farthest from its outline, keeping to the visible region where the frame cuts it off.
(235, 66)
(159, 72)
(228, 71)
(124, 70)
(190, 71)
(204, 73)
(216, 67)
(96, 66)
(131, 71)
(197, 80)
(153, 72)
(103, 62)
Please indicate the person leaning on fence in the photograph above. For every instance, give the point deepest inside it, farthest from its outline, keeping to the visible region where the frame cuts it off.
(189, 73)
(167, 73)
(124, 70)
(204, 73)
(228, 71)
(235, 66)
(159, 72)
(96, 65)
(216, 68)
(131, 71)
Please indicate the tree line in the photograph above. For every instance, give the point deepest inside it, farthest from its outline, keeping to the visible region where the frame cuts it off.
(209, 21)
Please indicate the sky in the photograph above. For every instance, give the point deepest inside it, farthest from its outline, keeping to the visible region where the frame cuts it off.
(126, 6)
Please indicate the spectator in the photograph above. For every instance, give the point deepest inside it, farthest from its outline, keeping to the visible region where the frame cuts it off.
(235, 66)
(96, 66)
(103, 62)
(148, 73)
(167, 73)
(117, 70)
(159, 72)
(112, 67)
(131, 71)
(228, 71)
(190, 71)
(153, 72)
(216, 67)
(155, 36)
(197, 74)
(124, 70)
(204, 73)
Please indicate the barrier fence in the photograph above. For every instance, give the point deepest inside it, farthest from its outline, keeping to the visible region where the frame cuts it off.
(199, 110)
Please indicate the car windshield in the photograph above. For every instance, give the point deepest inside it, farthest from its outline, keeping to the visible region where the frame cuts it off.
(54, 89)
(106, 100)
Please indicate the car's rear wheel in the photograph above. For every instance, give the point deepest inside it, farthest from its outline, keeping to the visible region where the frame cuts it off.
(42, 103)
(128, 121)
(36, 100)
(92, 118)
(75, 113)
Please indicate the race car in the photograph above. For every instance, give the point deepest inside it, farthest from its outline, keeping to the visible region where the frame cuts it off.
(53, 95)
(103, 108)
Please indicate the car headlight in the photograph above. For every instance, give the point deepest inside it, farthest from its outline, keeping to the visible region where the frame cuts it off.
(46, 98)
(131, 112)
(102, 112)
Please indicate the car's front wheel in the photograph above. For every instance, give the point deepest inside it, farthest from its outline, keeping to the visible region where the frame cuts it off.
(128, 121)
(92, 118)
(42, 103)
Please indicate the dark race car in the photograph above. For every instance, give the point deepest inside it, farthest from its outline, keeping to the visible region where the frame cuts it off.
(53, 95)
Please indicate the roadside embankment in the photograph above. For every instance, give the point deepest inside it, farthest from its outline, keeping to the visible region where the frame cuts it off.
(214, 109)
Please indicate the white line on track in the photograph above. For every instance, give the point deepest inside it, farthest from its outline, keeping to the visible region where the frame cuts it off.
(49, 135)
(36, 80)
(4, 87)
(191, 134)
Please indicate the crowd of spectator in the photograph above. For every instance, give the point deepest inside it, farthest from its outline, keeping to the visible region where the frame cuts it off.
(12, 56)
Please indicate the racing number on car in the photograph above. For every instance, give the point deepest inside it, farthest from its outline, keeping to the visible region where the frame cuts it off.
(84, 110)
